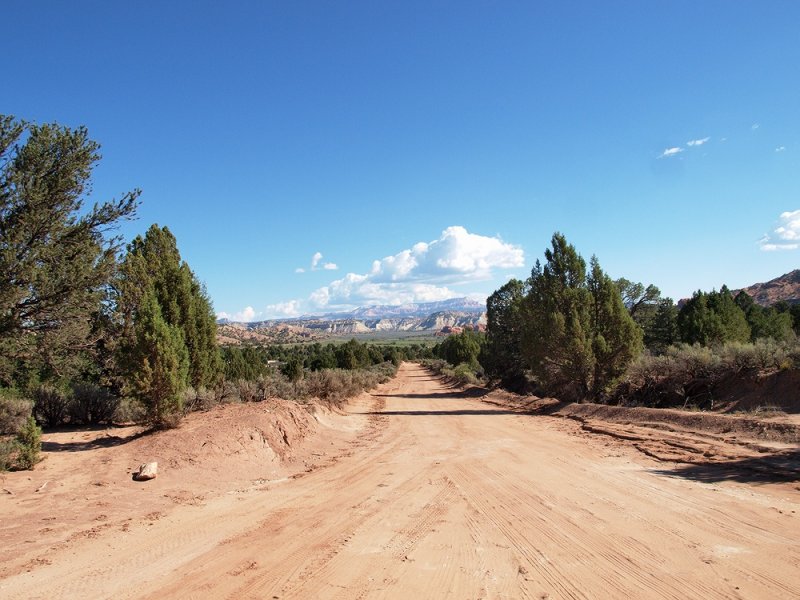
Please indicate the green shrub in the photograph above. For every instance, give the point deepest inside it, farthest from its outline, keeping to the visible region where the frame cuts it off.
(7, 448)
(464, 374)
(28, 445)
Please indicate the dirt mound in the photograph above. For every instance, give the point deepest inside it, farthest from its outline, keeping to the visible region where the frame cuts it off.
(263, 433)
(84, 484)
(752, 390)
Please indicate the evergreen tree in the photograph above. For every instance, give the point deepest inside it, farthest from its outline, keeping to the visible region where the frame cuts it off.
(712, 318)
(293, 369)
(556, 336)
(501, 354)
(764, 322)
(793, 310)
(352, 355)
(55, 261)
(577, 334)
(157, 363)
(662, 331)
(153, 264)
(463, 347)
(641, 302)
(616, 338)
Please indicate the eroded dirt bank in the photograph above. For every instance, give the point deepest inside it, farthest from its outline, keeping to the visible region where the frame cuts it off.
(433, 494)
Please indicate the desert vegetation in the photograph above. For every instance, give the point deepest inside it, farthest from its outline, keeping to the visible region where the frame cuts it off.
(584, 337)
(578, 335)
(91, 332)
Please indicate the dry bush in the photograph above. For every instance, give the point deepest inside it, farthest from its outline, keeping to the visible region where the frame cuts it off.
(691, 373)
(28, 445)
(14, 410)
(437, 365)
(465, 375)
(50, 405)
(199, 400)
(92, 404)
(130, 410)
(249, 391)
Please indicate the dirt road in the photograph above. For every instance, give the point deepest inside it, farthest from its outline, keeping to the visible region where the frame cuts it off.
(442, 496)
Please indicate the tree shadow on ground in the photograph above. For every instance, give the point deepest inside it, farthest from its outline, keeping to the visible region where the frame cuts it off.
(108, 441)
(441, 413)
(432, 395)
(457, 392)
(780, 467)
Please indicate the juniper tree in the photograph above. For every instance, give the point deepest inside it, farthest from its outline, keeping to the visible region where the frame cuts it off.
(577, 335)
(662, 331)
(556, 338)
(764, 322)
(616, 338)
(153, 264)
(712, 318)
(501, 354)
(157, 362)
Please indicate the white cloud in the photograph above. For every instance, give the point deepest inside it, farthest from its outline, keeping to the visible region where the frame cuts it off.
(699, 142)
(780, 148)
(785, 236)
(422, 273)
(291, 308)
(316, 264)
(671, 152)
(248, 313)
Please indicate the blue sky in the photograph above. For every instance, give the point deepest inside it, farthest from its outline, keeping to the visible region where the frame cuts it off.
(311, 156)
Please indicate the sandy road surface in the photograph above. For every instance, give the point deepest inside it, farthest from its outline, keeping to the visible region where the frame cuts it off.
(448, 497)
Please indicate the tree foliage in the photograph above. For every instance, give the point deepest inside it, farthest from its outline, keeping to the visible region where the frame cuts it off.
(153, 265)
(712, 318)
(501, 354)
(662, 331)
(55, 258)
(461, 348)
(764, 322)
(616, 337)
(168, 325)
(157, 362)
(556, 338)
(577, 335)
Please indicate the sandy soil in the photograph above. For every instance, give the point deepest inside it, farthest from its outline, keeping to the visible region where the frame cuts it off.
(418, 490)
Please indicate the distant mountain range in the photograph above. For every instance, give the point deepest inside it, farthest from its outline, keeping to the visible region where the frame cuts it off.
(422, 309)
(426, 317)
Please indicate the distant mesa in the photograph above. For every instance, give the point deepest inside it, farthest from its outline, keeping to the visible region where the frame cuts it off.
(437, 318)
(784, 288)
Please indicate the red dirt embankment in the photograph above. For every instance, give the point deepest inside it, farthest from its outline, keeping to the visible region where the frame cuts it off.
(83, 487)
